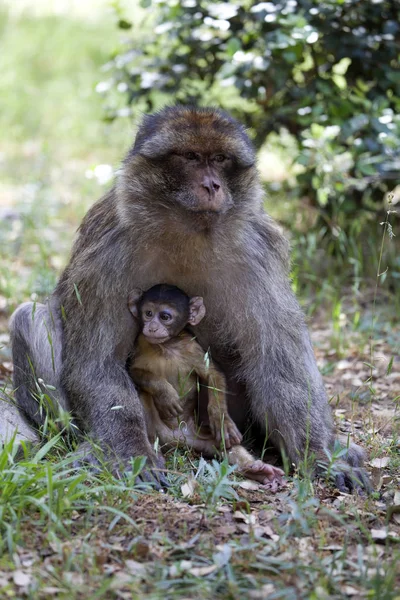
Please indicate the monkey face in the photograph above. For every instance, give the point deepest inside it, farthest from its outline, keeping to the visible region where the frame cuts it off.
(193, 159)
(161, 322)
(164, 310)
(203, 185)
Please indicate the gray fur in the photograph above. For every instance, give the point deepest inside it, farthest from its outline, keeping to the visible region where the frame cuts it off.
(36, 340)
(138, 236)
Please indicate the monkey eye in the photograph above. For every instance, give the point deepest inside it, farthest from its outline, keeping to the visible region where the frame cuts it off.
(148, 313)
(219, 158)
(190, 155)
(164, 316)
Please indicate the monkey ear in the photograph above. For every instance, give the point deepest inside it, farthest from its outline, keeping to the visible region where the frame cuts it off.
(197, 310)
(133, 300)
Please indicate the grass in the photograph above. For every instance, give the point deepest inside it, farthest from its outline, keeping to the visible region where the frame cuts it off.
(71, 533)
(51, 138)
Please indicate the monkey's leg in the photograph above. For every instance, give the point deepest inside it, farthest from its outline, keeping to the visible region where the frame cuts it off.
(275, 360)
(112, 412)
(289, 403)
(36, 341)
(221, 425)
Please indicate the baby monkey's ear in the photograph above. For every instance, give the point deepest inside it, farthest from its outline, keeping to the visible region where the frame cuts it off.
(133, 301)
(197, 310)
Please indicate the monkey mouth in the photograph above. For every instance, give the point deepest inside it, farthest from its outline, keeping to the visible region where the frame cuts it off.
(207, 214)
(157, 340)
(208, 211)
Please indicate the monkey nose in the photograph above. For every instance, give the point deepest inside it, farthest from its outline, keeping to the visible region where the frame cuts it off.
(211, 185)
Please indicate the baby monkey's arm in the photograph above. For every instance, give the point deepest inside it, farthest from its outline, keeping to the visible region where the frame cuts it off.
(165, 397)
(221, 424)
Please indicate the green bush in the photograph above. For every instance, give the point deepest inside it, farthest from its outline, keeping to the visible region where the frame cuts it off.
(326, 71)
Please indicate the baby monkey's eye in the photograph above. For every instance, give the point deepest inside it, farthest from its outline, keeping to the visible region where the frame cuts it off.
(164, 316)
(148, 313)
(219, 158)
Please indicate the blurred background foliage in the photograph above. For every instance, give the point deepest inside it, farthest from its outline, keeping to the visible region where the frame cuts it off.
(316, 83)
(320, 81)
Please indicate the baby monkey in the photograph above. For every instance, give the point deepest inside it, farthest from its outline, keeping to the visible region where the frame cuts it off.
(167, 366)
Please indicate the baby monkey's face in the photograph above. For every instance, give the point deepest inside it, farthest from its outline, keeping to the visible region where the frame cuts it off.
(164, 311)
(161, 322)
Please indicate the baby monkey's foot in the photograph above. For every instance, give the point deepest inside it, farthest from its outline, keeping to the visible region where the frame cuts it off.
(264, 473)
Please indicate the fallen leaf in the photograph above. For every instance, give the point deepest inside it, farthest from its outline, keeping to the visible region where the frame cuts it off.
(201, 571)
(120, 579)
(394, 509)
(249, 519)
(134, 567)
(266, 590)
(266, 515)
(188, 488)
(350, 590)
(225, 530)
(379, 534)
(142, 548)
(249, 485)
(380, 463)
(223, 556)
(343, 364)
(21, 578)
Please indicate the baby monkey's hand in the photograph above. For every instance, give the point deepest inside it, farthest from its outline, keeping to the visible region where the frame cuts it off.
(168, 404)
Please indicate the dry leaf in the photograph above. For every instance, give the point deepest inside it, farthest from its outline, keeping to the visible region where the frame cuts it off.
(343, 364)
(249, 485)
(225, 530)
(188, 488)
(380, 463)
(350, 590)
(201, 571)
(21, 578)
(142, 548)
(249, 519)
(239, 516)
(120, 579)
(394, 509)
(379, 534)
(134, 567)
(224, 509)
(263, 593)
(74, 579)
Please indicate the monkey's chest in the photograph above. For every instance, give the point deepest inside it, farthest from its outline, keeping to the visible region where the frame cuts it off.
(169, 367)
(180, 375)
(185, 269)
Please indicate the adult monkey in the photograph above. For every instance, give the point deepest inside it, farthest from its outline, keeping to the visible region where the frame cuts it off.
(186, 209)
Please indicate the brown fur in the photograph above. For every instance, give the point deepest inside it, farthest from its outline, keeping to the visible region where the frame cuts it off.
(171, 370)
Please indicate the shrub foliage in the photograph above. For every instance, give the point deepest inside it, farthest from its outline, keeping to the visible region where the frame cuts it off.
(328, 72)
